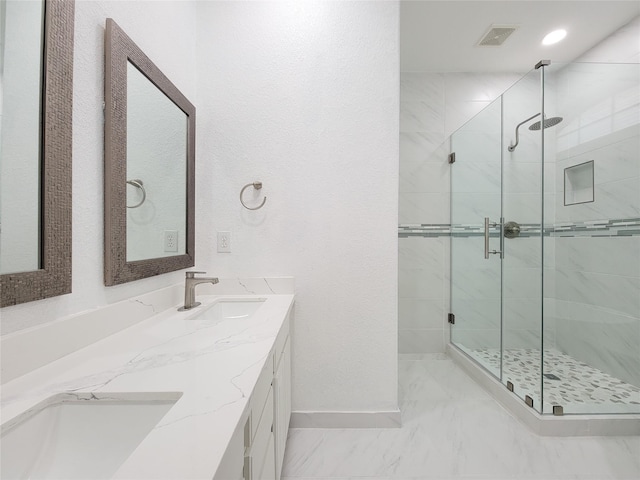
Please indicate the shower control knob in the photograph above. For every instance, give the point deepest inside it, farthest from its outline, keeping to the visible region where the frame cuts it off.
(511, 230)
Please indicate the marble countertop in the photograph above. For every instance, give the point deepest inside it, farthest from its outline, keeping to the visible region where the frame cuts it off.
(215, 366)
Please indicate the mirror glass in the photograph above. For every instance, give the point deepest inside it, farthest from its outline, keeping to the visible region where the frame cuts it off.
(36, 131)
(149, 166)
(21, 71)
(156, 171)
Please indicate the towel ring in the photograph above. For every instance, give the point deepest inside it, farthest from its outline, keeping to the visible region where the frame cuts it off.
(138, 183)
(257, 186)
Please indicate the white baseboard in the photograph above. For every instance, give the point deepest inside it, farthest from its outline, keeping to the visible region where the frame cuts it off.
(310, 419)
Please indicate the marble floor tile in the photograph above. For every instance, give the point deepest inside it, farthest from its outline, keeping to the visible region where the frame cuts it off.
(453, 429)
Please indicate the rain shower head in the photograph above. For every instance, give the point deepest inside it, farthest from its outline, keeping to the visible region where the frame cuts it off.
(548, 122)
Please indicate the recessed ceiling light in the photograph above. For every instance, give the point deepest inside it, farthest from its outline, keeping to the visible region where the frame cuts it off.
(554, 37)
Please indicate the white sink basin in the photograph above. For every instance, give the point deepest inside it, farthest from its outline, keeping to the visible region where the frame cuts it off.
(229, 309)
(79, 435)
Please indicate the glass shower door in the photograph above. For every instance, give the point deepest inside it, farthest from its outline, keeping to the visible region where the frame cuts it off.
(522, 185)
(476, 198)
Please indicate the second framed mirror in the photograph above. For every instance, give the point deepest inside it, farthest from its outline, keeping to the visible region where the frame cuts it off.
(149, 166)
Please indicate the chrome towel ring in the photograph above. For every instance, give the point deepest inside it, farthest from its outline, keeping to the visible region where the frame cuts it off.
(257, 186)
(138, 183)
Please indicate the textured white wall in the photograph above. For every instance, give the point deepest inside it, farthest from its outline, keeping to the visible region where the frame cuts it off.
(165, 31)
(304, 97)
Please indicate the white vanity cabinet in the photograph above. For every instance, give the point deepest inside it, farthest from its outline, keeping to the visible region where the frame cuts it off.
(256, 450)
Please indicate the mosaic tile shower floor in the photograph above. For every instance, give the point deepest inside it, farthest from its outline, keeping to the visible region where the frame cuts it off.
(577, 386)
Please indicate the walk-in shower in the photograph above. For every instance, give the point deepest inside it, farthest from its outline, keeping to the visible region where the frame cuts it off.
(545, 240)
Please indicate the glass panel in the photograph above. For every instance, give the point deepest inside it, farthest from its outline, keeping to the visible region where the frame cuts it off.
(592, 250)
(522, 263)
(21, 42)
(475, 194)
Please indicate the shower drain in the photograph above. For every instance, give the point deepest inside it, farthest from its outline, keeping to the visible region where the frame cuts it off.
(550, 376)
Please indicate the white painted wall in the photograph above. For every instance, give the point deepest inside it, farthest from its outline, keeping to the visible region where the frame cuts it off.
(304, 97)
(165, 31)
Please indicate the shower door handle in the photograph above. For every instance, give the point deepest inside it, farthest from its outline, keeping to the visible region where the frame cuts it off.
(488, 224)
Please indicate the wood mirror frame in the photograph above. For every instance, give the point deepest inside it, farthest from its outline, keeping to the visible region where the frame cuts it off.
(119, 51)
(54, 276)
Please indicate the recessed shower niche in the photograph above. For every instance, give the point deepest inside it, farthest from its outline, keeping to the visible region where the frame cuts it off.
(578, 183)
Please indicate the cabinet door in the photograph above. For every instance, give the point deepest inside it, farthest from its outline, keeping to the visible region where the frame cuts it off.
(282, 387)
(232, 462)
(261, 452)
(268, 470)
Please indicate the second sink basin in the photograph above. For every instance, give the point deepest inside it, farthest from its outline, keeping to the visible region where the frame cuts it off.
(80, 435)
(228, 309)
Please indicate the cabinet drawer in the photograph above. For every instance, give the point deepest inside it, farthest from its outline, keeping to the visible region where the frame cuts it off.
(259, 398)
(281, 339)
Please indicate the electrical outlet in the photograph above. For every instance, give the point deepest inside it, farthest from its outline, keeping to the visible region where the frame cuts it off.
(224, 242)
(170, 240)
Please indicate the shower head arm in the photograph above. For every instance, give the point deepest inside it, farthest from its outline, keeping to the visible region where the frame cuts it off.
(511, 148)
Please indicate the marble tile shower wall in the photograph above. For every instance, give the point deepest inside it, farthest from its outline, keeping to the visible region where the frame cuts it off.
(595, 301)
(432, 107)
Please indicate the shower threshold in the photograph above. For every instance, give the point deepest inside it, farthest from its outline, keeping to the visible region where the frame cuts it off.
(521, 367)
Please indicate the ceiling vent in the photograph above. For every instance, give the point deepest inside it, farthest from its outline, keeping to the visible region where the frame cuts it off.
(497, 35)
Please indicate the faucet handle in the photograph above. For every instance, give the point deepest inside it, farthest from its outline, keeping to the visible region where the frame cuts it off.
(193, 274)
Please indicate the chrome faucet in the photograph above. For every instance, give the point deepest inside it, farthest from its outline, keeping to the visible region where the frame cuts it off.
(190, 283)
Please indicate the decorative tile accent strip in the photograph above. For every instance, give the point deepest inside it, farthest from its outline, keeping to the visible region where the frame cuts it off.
(591, 228)
(596, 228)
(424, 230)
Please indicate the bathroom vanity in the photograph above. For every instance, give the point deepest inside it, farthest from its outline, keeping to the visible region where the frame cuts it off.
(256, 449)
(218, 377)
